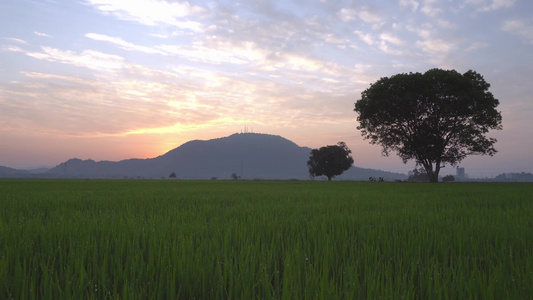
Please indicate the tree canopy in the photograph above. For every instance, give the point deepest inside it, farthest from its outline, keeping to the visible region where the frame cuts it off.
(330, 161)
(435, 118)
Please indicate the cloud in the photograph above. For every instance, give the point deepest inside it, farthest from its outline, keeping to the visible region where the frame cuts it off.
(152, 12)
(409, 4)
(492, 5)
(370, 15)
(389, 44)
(347, 14)
(138, 99)
(425, 30)
(390, 39)
(74, 79)
(122, 44)
(90, 59)
(476, 46)
(365, 37)
(435, 46)
(498, 4)
(332, 38)
(366, 13)
(475, 2)
(383, 46)
(219, 51)
(521, 29)
(282, 68)
(298, 62)
(18, 41)
(12, 48)
(429, 8)
(83, 107)
(37, 33)
(252, 56)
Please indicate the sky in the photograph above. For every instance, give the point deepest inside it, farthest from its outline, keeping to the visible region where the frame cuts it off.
(119, 79)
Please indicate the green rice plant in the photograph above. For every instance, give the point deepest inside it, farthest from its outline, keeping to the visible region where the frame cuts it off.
(161, 239)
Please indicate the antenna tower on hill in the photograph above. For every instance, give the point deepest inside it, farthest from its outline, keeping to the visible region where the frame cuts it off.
(246, 129)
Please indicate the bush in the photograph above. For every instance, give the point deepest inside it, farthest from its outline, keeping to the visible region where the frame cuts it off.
(448, 178)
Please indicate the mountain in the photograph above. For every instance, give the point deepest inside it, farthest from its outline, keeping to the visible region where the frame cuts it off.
(248, 155)
(356, 173)
(39, 170)
(6, 172)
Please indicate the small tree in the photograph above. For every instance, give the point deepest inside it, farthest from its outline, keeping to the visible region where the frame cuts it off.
(330, 161)
(172, 175)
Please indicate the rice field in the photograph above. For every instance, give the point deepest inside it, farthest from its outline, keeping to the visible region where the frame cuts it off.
(171, 239)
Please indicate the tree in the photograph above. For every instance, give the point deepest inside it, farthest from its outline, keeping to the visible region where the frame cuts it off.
(448, 178)
(330, 161)
(172, 175)
(418, 175)
(435, 118)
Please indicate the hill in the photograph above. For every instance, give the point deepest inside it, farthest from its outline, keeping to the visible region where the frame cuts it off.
(6, 172)
(248, 155)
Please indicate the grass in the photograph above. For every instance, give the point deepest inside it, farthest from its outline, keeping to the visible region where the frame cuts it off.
(169, 239)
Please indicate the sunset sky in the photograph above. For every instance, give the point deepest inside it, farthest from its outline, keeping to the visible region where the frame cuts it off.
(118, 79)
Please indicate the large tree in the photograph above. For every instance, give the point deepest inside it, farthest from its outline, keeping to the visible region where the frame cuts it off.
(330, 161)
(435, 118)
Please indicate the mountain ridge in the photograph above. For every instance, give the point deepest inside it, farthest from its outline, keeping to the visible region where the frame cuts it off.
(6, 172)
(247, 155)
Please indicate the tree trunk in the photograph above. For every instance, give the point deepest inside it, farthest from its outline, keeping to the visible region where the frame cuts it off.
(329, 178)
(436, 172)
(433, 178)
(433, 175)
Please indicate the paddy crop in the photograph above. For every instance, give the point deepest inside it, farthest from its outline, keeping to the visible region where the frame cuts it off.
(170, 239)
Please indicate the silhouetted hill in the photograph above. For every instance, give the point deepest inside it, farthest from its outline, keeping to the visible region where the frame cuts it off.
(6, 172)
(102, 169)
(249, 155)
(356, 173)
(39, 170)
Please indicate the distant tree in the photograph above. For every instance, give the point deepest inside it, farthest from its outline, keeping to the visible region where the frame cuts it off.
(172, 175)
(330, 161)
(234, 176)
(418, 175)
(448, 178)
(517, 177)
(435, 118)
